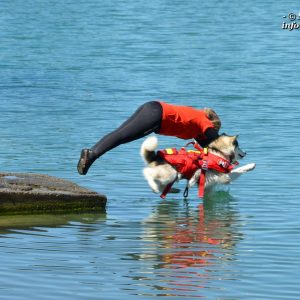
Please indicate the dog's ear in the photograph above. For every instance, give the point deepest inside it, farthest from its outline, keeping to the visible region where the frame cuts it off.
(234, 140)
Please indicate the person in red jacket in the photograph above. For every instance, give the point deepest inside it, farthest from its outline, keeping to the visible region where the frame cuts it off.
(184, 122)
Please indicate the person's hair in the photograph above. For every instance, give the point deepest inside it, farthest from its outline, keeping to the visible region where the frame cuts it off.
(213, 117)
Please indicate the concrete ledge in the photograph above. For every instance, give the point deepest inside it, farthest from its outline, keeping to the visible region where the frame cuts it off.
(28, 193)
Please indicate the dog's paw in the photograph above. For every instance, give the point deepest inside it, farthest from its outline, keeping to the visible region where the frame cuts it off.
(244, 169)
(250, 167)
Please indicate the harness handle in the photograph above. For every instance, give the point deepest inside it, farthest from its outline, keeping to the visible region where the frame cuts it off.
(189, 143)
(196, 146)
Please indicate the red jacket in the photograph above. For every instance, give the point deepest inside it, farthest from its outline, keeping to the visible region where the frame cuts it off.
(184, 122)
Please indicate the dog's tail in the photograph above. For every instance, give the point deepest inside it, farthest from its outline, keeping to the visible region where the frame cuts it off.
(148, 149)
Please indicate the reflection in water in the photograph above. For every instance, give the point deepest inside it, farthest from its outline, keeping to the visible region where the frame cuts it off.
(189, 247)
(9, 223)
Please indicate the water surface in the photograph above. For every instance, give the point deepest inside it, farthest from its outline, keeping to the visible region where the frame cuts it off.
(72, 71)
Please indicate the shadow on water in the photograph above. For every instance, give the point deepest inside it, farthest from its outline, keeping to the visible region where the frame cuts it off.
(190, 247)
(10, 223)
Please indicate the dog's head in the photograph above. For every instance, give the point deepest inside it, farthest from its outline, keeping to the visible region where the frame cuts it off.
(228, 147)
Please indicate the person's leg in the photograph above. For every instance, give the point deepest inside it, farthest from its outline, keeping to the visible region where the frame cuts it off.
(145, 120)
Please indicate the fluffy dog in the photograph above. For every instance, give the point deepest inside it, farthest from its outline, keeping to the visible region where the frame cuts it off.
(159, 173)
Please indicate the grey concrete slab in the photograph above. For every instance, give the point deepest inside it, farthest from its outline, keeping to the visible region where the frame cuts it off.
(28, 193)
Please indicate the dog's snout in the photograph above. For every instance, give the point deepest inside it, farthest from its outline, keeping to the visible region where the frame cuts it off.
(242, 154)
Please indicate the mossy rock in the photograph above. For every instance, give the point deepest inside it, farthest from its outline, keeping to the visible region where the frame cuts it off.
(30, 193)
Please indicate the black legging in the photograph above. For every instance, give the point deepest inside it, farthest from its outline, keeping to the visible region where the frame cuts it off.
(145, 120)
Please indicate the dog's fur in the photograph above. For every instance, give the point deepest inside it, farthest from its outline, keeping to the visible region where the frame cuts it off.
(159, 173)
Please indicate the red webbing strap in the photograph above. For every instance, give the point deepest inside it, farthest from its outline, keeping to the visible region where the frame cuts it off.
(201, 183)
(167, 189)
(197, 146)
(203, 173)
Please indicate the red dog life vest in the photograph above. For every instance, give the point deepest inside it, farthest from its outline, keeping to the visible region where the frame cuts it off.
(187, 162)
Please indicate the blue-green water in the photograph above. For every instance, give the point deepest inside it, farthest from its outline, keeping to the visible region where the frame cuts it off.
(71, 71)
